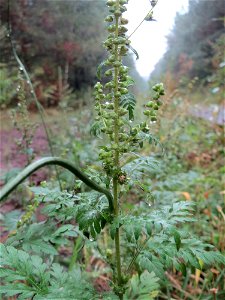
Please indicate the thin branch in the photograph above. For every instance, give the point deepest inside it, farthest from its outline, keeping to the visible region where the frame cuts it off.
(11, 185)
(150, 11)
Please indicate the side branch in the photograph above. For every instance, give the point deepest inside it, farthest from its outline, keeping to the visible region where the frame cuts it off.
(10, 186)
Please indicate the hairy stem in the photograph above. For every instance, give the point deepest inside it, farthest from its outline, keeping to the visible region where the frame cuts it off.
(116, 162)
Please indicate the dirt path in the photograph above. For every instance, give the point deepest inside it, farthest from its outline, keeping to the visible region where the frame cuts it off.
(211, 113)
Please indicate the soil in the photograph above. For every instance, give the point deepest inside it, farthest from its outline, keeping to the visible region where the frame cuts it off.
(12, 156)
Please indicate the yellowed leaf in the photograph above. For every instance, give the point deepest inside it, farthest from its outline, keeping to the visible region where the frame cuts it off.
(198, 272)
(186, 195)
(197, 275)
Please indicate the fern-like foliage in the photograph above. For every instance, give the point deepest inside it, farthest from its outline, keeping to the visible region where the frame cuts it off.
(30, 277)
(178, 182)
(162, 252)
(128, 101)
(158, 244)
(154, 222)
(93, 213)
(144, 287)
(150, 138)
(60, 205)
(89, 209)
(96, 128)
(42, 237)
(140, 166)
(16, 265)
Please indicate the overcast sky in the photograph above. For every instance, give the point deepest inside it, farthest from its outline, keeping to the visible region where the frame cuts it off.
(150, 39)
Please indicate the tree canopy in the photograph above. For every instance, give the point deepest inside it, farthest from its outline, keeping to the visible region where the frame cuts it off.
(193, 42)
(52, 34)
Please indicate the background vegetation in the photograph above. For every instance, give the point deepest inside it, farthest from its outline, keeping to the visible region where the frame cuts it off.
(60, 42)
(196, 50)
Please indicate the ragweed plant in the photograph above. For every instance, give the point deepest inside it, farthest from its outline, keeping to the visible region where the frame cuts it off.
(21, 122)
(137, 245)
(114, 106)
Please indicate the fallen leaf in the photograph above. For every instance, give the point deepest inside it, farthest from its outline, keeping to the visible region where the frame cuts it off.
(186, 195)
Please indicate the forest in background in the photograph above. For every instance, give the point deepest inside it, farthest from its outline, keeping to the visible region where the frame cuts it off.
(195, 50)
(60, 44)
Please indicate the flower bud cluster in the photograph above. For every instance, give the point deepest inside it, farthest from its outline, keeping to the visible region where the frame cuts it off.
(107, 97)
(154, 104)
(112, 116)
(26, 218)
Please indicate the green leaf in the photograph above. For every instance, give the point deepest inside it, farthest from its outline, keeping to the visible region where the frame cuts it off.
(183, 269)
(141, 165)
(21, 289)
(9, 220)
(151, 139)
(137, 231)
(11, 275)
(97, 226)
(134, 51)
(149, 228)
(39, 237)
(152, 265)
(96, 128)
(144, 287)
(128, 101)
(99, 69)
(18, 265)
(63, 229)
(92, 212)
(177, 239)
(41, 282)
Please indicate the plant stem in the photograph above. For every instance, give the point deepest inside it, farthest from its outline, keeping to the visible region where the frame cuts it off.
(116, 163)
(78, 245)
(117, 235)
